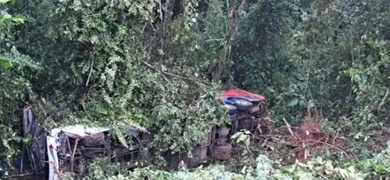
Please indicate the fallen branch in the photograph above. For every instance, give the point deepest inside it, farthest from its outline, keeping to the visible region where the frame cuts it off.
(288, 127)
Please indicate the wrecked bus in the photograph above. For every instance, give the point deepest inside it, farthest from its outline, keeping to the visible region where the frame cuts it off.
(51, 154)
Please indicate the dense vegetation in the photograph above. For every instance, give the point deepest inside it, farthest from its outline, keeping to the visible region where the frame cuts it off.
(161, 65)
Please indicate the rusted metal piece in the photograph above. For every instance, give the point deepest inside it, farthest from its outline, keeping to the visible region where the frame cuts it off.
(199, 154)
(72, 155)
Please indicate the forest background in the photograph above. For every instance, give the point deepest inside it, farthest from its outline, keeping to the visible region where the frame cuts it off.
(161, 65)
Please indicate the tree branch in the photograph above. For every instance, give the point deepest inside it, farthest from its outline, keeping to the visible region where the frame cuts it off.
(173, 75)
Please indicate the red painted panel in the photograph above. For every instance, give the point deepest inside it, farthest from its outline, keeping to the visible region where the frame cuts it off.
(242, 93)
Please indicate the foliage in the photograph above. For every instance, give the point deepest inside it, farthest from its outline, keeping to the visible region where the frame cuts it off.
(320, 169)
(10, 87)
(332, 47)
(378, 165)
(265, 169)
(126, 63)
(136, 85)
(242, 137)
(261, 62)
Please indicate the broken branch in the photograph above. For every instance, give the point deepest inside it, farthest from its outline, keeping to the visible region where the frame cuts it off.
(288, 127)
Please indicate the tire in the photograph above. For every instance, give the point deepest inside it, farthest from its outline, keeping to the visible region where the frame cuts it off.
(242, 104)
(250, 99)
(254, 109)
(245, 124)
(231, 109)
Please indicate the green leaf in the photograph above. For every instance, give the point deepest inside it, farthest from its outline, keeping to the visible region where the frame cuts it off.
(4, 1)
(302, 103)
(120, 137)
(241, 138)
(293, 102)
(5, 62)
(235, 136)
(18, 19)
(311, 103)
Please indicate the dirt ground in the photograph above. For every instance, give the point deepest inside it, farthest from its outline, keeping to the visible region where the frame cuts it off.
(286, 144)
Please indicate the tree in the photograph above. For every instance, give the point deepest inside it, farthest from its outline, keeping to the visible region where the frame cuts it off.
(9, 86)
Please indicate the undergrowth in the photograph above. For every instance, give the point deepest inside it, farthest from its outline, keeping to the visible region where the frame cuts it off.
(316, 168)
